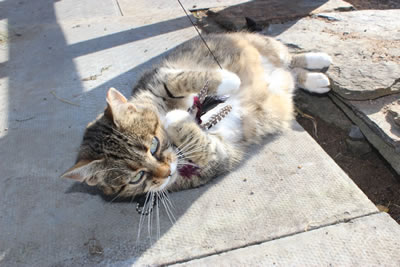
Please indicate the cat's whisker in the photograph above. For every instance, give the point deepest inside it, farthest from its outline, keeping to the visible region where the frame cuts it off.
(188, 146)
(166, 196)
(197, 149)
(149, 216)
(158, 216)
(115, 197)
(193, 154)
(169, 211)
(117, 177)
(187, 163)
(141, 219)
(187, 141)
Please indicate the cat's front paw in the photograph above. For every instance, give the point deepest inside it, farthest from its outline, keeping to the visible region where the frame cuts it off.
(317, 60)
(230, 83)
(176, 116)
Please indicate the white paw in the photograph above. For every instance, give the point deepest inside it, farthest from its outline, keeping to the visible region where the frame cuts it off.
(175, 116)
(316, 83)
(321, 90)
(318, 60)
(230, 83)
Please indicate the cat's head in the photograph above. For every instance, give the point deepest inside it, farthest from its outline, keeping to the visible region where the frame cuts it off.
(125, 150)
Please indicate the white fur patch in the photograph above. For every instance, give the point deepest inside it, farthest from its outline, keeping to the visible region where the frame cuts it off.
(164, 185)
(316, 83)
(189, 101)
(230, 127)
(276, 78)
(170, 70)
(176, 115)
(173, 166)
(268, 67)
(230, 83)
(318, 60)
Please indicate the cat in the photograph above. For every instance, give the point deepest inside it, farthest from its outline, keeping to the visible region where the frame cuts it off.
(151, 143)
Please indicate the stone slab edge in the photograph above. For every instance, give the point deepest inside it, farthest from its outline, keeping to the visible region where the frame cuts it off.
(386, 150)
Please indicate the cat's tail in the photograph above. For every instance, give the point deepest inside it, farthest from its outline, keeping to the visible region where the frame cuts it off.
(315, 82)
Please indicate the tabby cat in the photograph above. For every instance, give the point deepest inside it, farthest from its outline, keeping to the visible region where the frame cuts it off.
(150, 142)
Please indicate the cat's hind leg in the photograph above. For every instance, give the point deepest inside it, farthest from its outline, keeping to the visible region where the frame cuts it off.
(311, 61)
(314, 82)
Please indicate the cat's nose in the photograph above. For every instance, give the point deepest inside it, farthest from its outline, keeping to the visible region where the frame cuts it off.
(163, 171)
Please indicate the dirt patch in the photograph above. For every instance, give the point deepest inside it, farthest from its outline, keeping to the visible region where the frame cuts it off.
(370, 172)
(375, 4)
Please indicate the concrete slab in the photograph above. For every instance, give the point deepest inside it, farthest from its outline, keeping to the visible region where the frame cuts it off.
(54, 82)
(128, 9)
(27, 13)
(367, 241)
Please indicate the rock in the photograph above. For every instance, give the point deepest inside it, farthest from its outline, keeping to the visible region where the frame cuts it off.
(273, 11)
(322, 106)
(386, 150)
(355, 133)
(379, 114)
(358, 147)
(394, 115)
(364, 45)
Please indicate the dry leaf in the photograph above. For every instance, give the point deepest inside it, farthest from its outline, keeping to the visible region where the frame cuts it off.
(382, 208)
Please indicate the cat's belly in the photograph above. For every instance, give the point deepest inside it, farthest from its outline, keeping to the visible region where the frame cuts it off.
(279, 79)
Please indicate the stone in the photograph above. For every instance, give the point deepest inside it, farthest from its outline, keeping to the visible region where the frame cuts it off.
(322, 107)
(380, 115)
(364, 45)
(358, 147)
(233, 18)
(355, 133)
(388, 151)
(394, 115)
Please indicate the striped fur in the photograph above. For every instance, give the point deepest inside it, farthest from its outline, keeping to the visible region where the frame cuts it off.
(259, 76)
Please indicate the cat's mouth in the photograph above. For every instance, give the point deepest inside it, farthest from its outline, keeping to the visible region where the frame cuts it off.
(186, 167)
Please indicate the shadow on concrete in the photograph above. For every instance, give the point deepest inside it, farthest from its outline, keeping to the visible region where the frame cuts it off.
(262, 12)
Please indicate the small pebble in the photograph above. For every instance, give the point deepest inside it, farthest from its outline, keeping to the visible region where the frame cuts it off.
(355, 133)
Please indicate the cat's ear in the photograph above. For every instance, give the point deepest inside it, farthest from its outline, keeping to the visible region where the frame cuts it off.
(115, 98)
(116, 104)
(82, 171)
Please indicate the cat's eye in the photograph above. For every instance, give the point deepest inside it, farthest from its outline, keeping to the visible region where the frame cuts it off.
(137, 178)
(155, 143)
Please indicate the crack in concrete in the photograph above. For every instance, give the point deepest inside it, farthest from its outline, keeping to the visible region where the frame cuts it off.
(345, 220)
